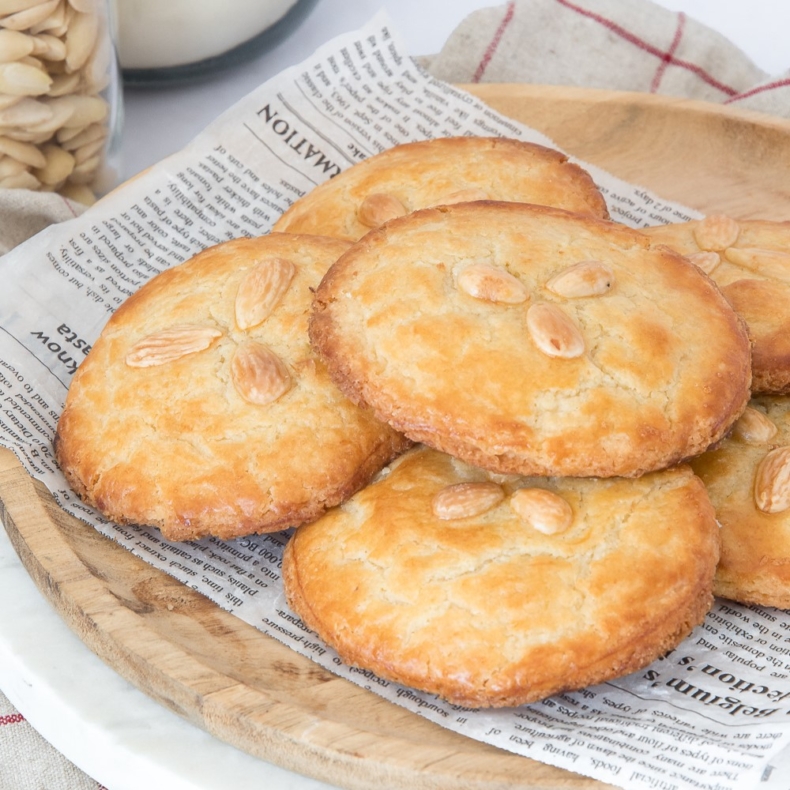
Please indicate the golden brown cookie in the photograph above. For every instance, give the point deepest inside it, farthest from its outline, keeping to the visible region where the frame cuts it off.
(201, 409)
(447, 170)
(748, 481)
(750, 261)
(493, 591)
(529, 340)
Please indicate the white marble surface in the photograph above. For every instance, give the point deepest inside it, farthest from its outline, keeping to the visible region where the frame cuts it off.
(104, 725)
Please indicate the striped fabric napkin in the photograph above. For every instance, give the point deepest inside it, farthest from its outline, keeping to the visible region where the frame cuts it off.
(631, 45)
(628, 45)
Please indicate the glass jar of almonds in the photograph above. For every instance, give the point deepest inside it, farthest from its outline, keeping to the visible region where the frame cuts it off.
(60, 97)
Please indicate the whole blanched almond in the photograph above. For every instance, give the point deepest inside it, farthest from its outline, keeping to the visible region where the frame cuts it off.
(772, 482)
(258, 374)
(707, 261)
(463, 500)
(553, 332)
(22, 79)
(82, 110)
(24, 114)
(85, 6)
(170, 344)
(491, 284)
(55, 23)
(543, 510)
(14, 45)
(78, 192)
(261, 289)
(71, 138)
(753, 427)
(58, 166)
(81, 38)
(25, 152)
(11, 167)
(29, 17)
(462, 196)
(716, 232)
(23, 180)
(13, 6)
(586, 278)
(49, 47)
(63, 84)
(378, 208)
(770, 263)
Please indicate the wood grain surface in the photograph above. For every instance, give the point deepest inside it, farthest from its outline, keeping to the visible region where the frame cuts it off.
(257, 694)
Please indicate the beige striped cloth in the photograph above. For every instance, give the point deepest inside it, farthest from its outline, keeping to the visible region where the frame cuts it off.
(629, 45)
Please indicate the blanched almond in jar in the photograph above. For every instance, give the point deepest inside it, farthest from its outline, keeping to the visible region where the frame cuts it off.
(553, 332)
(85, 6)
(81, 38)
(716, 232)
(170, 344)
(30, 17)
(25, 152)
(753, 427)
(49, 47)
(58, 167)
(258, 374)
(772, 482)
(13, 6)
(78, 192)
(21, 79)
(23, 180)
(586, 278)
(63, 84)
(54, 24)
(71, 139)
(707, 261)
(378, 208)
(82, 110)
(24, 114)
(14, 45)
(86, 171)
(11, 167)
(543, 510)
(85, 152)
(770, 263)
(491, 284)
(261, 289)
(463, 500)
(462, 196)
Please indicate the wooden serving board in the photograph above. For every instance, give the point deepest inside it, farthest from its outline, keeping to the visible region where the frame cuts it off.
(257, 694)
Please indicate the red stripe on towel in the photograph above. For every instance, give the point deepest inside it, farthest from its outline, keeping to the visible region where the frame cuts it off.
(494, 43)
(665, 61)
(650, 49)
(759, 89)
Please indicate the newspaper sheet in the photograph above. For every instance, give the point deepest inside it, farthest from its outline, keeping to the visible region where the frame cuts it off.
(713, 715)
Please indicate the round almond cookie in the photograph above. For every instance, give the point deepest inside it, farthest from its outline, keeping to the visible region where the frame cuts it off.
(750, 261)
(493, 590)
(202, 410)
(748, 481)
(530, 340)
(443, 171)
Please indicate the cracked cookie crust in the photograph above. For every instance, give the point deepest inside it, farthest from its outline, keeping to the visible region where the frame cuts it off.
(531, 340)
(202, 410)
(490, 603)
